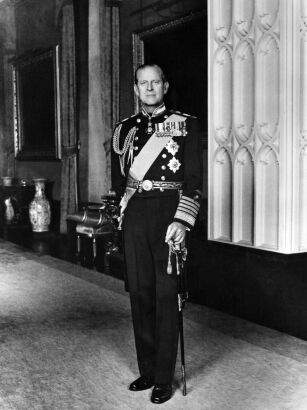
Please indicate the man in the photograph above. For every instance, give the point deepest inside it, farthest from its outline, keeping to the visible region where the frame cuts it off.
(157, 169)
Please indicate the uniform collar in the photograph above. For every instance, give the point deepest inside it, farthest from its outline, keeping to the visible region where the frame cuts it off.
(158, 111)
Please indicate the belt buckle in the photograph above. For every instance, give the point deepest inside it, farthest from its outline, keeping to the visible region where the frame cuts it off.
(147, 185)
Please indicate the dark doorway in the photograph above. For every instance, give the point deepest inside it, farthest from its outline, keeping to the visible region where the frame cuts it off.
(182, 53)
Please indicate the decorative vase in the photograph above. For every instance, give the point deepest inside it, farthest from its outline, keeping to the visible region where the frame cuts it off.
(9, 210)
(39, 208)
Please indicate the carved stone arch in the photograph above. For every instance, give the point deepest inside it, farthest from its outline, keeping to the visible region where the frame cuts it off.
(267, 194)
(223, 94)
(267, 13)
(243, 196)
(244, 96)
(304, 14)
(222, 195)
(267, 88)
(265, 154)
(222, 20)
(242, 153)
(243, 17)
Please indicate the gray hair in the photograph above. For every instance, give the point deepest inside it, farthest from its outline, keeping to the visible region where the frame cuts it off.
(141, 67)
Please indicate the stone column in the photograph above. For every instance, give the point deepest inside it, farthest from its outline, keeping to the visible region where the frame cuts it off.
(96, 154)
(103, 93)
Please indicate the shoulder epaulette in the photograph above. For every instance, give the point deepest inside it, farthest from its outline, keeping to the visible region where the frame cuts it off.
(126, 119)
(184, 114)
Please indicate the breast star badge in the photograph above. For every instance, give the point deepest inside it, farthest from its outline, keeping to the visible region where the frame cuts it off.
(172, 147)
(174, 165)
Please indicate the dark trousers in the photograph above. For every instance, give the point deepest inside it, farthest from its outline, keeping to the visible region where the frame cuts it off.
(153, 293)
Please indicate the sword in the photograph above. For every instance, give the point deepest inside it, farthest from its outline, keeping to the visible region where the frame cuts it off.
(181, 256)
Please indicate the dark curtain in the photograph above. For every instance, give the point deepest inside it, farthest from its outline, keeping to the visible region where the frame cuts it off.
(69, 186)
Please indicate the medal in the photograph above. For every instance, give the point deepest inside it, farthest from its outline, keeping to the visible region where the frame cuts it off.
(172, 147)
(174, 165)
(149, 128)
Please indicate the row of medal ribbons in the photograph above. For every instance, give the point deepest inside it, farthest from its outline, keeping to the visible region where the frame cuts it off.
(175, 129)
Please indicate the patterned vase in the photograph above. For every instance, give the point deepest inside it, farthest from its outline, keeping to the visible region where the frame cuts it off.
(39, 208)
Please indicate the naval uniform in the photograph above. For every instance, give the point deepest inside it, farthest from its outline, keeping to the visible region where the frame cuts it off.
(170, 191)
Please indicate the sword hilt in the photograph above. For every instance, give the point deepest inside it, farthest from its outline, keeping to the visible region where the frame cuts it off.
(182, 298)
(181, 256)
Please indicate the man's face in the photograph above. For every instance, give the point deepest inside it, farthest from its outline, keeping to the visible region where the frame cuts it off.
(150, 88)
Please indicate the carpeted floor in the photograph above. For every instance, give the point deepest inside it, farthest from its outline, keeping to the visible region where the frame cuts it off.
(66, 342)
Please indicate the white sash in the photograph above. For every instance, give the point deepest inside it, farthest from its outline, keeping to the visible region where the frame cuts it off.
(145, 159)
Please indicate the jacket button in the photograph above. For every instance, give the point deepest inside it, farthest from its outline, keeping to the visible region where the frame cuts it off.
(163, 178)
(163, 155)
(163, 167)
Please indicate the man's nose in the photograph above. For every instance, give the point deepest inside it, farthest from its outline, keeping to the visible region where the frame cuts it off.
(149, 85)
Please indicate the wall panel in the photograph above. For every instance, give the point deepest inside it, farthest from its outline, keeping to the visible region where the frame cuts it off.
(243, 197)
(303, 127)
(244, 85)
(222, 195)
(257, 114)
(267, 199)
(222, 99)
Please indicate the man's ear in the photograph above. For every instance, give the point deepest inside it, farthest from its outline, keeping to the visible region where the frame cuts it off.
(136, 90)
(165, 87)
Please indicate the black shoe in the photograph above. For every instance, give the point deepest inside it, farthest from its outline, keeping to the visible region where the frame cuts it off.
(161, 393)
(142, 383)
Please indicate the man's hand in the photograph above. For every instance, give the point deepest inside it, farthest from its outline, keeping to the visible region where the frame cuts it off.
(175, 233)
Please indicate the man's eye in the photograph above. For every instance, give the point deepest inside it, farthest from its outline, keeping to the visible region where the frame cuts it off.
(157, 81)
(143, 83)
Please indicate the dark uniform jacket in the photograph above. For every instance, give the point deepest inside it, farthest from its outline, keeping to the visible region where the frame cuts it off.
(179, 161)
